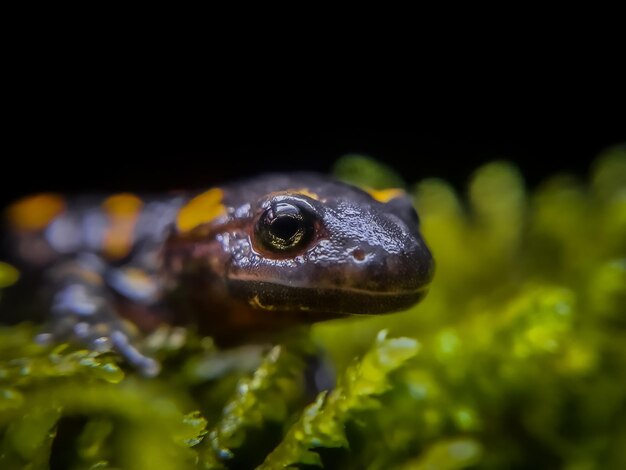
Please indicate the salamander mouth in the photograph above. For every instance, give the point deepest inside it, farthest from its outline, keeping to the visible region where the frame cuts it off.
(331, 301)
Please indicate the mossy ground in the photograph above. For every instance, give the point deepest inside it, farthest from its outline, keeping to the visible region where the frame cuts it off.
(516, 359)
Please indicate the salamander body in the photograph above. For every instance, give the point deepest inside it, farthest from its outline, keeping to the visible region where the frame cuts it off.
(238, 262)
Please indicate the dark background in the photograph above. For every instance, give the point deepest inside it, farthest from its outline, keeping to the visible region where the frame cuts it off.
(134, 158)
(147, 115)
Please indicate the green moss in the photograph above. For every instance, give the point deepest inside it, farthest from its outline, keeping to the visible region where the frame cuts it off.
(8, 275)
(321, 424)
(521, 364)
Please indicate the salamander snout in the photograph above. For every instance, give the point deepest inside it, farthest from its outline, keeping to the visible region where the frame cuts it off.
(394, 259)
(376, 261)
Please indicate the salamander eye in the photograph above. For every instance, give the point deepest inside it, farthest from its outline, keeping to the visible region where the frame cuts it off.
(285, 226)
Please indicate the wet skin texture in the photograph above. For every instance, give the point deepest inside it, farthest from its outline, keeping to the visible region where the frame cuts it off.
(238, 262)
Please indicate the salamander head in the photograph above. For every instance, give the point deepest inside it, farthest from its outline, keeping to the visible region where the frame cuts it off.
(317, 245)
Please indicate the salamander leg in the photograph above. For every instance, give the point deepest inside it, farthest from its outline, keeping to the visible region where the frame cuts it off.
(82, 312)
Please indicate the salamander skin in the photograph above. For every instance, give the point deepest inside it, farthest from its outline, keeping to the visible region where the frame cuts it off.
(237, 262)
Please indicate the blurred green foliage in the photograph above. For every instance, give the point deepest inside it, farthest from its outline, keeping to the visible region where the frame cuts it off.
(516, 358)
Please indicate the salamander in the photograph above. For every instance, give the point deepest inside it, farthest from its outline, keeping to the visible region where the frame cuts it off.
(238, 261)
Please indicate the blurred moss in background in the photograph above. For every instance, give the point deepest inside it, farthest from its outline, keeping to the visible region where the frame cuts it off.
(516, 358)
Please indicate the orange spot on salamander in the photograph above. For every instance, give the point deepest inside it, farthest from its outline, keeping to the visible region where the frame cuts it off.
(123, 211)
(35, 212)
(201, 210)
(385, 195)
(305, 192)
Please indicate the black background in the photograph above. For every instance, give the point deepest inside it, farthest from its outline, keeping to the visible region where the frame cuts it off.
(100, 156)
(156, 114)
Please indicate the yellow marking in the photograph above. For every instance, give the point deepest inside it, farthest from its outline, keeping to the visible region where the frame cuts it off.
(201, 210)
(385, 195)
(8, 275)
(255, 302)
(123, 211)
(122, 204)
(35, 212)
(305, 192)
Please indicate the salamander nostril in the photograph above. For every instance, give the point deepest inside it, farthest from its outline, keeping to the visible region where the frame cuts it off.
(358, 254)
